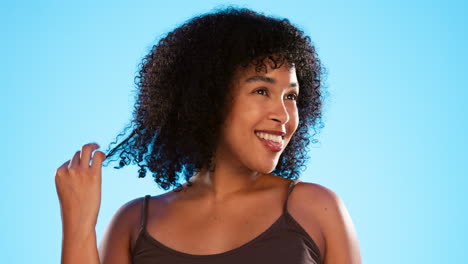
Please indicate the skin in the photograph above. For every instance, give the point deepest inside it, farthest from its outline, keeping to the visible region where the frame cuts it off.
(233, 204)
(241, 158)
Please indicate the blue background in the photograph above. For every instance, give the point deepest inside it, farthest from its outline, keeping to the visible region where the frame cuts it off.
(393, 146)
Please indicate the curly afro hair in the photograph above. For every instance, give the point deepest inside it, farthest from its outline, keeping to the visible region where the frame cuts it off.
(183, 92)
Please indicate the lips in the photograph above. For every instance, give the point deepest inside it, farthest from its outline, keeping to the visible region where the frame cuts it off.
(271, 145)
(273, 132)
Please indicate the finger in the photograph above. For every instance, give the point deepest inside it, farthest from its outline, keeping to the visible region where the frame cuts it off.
(86, 153)
(98, 158)
(64, 165)
(62, 171)
(62, 168)
(75, 161)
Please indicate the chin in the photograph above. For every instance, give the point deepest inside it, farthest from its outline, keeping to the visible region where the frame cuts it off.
(267, 168)
(262, 165)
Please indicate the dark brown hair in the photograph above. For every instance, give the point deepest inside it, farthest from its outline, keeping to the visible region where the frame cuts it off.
(183, 87)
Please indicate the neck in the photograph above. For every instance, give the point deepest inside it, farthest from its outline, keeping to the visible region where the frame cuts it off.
(225, 181)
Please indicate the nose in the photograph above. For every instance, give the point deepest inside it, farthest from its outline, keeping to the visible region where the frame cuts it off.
(279, 112)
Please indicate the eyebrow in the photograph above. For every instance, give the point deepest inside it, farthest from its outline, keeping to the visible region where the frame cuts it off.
(258, 78)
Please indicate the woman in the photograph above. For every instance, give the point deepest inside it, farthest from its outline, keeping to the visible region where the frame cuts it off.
(226, 100)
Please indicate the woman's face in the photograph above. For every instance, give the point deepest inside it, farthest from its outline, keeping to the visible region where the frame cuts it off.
(261, 102)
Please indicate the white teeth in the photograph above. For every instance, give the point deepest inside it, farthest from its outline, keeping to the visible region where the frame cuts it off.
(271, 137)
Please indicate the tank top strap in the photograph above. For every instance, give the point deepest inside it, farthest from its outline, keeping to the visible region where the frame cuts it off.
(291, 187)
(144, 212)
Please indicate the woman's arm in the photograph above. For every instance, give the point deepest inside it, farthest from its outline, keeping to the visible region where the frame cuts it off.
(342, 246)
(78, 187)
(115, 244)
(79, 247)
(341, 242)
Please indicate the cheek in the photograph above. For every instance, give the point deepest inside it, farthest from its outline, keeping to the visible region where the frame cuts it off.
(292, 109)
(242, 116)
(248, 110)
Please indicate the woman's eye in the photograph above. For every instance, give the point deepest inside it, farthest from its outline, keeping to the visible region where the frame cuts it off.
(264, 90)
(294, 96)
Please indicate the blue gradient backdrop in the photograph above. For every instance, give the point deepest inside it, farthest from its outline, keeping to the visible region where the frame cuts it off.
(393, 146)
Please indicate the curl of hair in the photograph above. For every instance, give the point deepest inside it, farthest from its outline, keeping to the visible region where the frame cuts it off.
(183, 92)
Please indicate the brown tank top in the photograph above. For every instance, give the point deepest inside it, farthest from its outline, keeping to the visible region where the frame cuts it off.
(284, 242)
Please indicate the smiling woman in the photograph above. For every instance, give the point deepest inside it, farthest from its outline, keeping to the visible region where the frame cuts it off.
(228, 101)
(264, 110)
(185, 91)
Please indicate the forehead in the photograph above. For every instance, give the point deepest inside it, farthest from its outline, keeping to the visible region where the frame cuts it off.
(264, 66)
(266, 72)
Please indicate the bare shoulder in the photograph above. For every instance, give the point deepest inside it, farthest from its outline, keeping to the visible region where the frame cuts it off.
(328, 209)
(128, 215)
(315, 200)
(314, 190)
(114, 246)
(318, 197)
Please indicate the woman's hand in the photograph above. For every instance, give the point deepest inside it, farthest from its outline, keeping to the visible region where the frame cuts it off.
(79, 189)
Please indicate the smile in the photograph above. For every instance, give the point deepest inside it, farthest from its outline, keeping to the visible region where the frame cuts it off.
(272, 142)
